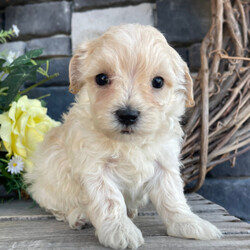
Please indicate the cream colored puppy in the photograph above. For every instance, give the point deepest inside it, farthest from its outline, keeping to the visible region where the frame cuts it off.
(120, 142)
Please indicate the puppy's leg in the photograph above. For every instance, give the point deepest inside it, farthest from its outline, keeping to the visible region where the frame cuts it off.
(168, 197)
(107, 212)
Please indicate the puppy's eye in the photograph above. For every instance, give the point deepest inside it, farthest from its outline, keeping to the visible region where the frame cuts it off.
(158, 82)
(102, 79)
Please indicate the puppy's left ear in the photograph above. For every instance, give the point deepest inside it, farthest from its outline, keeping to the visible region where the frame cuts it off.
(189, 88)
(76, 68)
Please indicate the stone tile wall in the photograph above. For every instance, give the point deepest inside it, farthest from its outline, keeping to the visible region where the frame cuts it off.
(59, 26)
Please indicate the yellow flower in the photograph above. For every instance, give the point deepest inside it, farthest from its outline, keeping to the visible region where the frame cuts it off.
(23, 126)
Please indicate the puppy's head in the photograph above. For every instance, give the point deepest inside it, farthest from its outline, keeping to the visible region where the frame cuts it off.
(136, 83)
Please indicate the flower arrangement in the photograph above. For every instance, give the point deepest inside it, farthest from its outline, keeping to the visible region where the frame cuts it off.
(23, 121)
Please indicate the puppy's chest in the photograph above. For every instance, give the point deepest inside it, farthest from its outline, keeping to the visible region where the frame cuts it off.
(131, 171)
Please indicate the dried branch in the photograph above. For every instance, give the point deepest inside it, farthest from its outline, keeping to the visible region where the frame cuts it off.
(219, 126)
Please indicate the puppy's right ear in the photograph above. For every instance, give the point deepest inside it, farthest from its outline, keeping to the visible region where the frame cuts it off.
(76, 68)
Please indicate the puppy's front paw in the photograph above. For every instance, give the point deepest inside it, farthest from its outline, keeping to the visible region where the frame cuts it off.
(120, 234)
(195, 229)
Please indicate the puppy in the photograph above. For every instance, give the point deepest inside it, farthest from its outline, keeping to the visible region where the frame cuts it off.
(120, 142)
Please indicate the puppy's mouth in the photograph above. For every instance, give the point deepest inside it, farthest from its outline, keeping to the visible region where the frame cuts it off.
(127, 131)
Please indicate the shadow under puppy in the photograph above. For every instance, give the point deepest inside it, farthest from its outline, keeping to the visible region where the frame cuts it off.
(120, 142)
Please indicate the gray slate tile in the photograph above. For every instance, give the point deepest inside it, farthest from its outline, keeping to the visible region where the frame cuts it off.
(53, 46)
(231, 193)
(42, 19)
(6, 3)
(241, 168)
(16, 47)
(79, 5)
(183, 21)
(194, 57)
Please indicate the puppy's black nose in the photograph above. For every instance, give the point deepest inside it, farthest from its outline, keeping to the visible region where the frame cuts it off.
(127, 116)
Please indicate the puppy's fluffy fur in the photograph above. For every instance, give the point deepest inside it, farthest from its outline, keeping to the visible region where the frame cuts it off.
(88, 170)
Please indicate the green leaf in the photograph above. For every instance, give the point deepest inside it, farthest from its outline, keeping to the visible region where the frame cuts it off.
(5, 173)
(44, 104)
(2, 61)
(34, 53)
(27, 57)
(6, 69)
(15, 80)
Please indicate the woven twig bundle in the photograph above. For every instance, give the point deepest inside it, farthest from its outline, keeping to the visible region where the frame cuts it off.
(218, 127)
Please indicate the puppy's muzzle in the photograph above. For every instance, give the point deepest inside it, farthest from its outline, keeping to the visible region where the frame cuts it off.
(127, 116)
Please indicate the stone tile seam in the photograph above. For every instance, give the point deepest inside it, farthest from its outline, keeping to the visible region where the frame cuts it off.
(112, 5)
